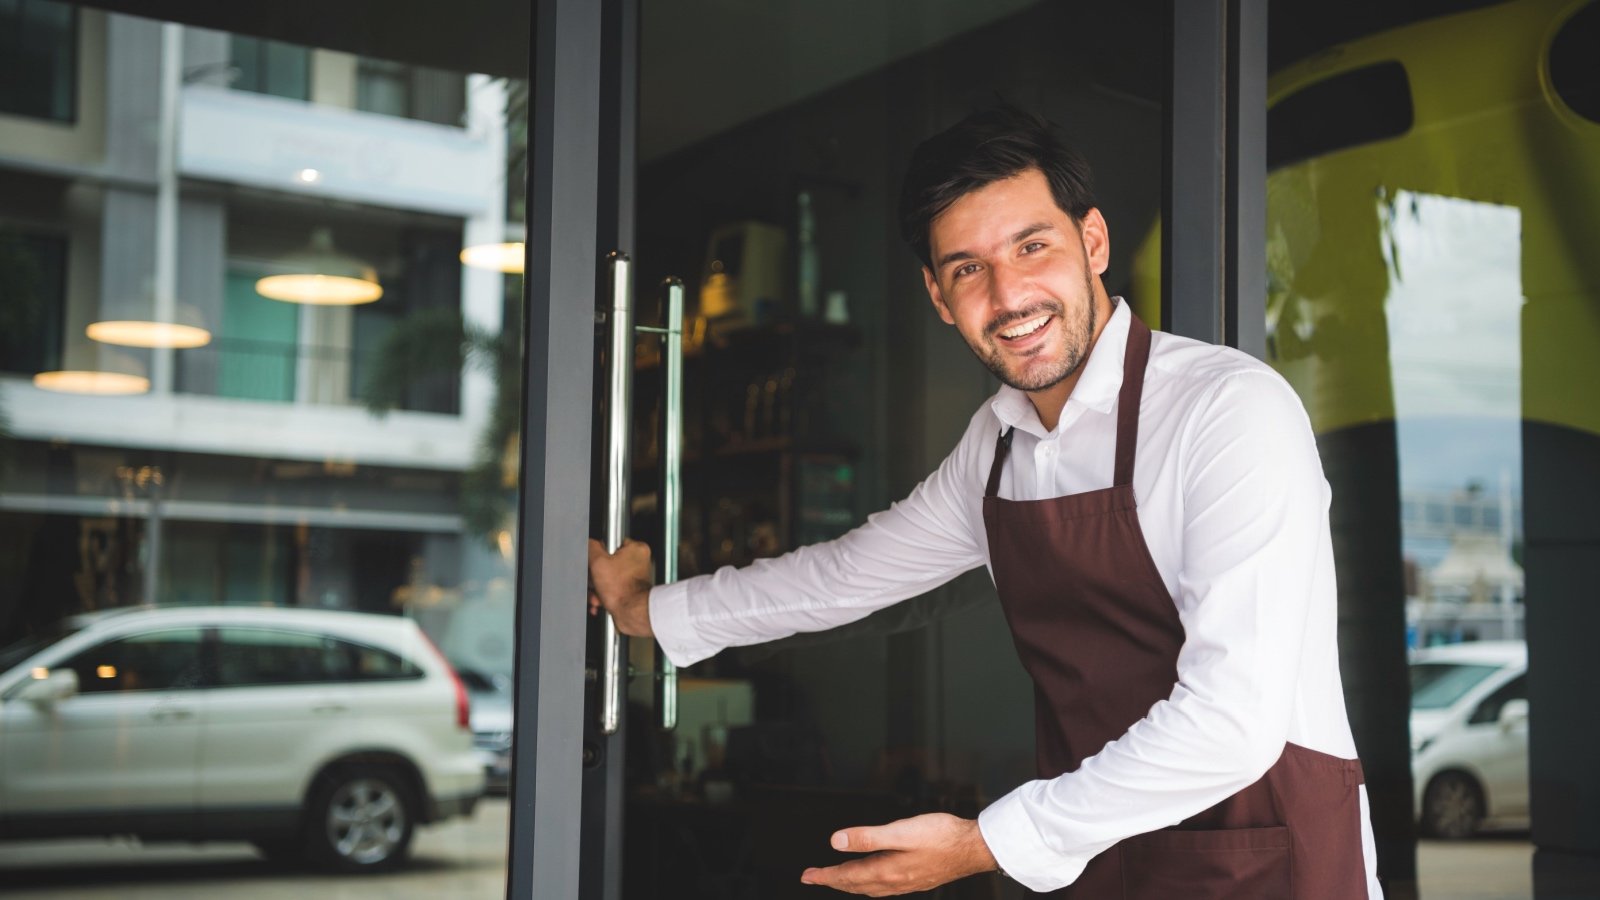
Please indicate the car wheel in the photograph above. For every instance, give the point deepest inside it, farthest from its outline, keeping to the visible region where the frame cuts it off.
(1452, 807)
(360, 819)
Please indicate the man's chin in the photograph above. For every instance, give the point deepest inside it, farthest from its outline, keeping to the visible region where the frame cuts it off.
(1034, 378)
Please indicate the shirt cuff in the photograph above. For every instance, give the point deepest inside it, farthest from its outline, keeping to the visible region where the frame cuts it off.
(669, 620)
(1020, 850)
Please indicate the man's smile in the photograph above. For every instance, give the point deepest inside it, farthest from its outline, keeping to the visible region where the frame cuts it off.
(1026, 332)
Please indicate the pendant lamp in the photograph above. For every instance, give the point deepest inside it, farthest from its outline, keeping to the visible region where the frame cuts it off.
(322, 276)
(184, 332)
(504, 257)
(95, 369)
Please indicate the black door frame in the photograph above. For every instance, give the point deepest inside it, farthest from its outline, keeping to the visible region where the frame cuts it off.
(553, 513)
(581, 160)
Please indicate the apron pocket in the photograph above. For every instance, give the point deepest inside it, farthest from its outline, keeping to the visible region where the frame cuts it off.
(1227, 864)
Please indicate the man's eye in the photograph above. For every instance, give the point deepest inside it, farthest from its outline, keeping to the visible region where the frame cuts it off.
(1032, 246)
(967, 269)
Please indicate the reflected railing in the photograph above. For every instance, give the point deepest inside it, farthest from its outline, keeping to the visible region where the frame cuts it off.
(284, 372)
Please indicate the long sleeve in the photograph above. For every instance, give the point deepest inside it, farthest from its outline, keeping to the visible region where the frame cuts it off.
(1256, 560)
(914, 546)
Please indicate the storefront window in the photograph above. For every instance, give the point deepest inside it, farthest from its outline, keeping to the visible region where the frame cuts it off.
(1432, 303)
(256, 531)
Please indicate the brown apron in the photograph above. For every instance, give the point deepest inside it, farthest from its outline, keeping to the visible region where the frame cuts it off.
(1099, 634)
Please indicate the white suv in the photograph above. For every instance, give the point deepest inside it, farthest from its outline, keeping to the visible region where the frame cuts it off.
(314, 734)
(1469, 736)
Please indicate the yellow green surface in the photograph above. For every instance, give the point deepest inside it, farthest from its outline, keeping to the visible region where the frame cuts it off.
(1488, 128)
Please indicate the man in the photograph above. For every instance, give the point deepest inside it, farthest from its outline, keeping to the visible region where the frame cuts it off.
(1154, 515)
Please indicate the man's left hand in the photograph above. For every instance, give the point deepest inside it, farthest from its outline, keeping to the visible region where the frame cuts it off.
(915, 854)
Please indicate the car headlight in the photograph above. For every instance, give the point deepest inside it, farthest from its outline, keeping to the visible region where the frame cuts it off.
(1419, 746)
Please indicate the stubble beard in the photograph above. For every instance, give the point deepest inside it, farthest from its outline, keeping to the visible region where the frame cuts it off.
(1077, 343)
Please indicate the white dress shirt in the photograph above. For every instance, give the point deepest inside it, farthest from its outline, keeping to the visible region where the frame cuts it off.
(1234, 509)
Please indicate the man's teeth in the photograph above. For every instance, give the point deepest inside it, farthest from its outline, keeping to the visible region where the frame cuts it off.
(1026, 328)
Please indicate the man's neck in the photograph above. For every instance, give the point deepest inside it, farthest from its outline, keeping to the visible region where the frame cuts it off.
(1049, 402)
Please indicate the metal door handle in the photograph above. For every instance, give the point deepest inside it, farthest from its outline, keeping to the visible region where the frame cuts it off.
(619, 396)
(330, 708)
(671, 484)
(671, 505)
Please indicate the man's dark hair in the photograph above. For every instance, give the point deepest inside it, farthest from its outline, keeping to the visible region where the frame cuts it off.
(981, 149)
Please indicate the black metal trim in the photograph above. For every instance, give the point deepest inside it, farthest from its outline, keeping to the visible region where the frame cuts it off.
(1194, 280)
(1213, 257)
(603, 787)
(558, 357)
(1247, 168)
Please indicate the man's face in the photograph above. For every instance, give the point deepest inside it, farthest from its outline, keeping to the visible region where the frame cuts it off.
(1018, 279)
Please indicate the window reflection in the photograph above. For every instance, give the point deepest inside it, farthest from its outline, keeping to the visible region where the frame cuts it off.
(1454, 312)
(304, 460)
(1430, 301)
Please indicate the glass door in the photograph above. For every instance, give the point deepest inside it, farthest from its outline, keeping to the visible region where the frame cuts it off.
(258, 383)
(818, 388)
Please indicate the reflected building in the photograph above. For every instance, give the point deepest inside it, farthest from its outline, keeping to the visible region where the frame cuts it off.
(160, 172)
(1463, 582)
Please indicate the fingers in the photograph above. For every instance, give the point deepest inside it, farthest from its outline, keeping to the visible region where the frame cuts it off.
(875, 876)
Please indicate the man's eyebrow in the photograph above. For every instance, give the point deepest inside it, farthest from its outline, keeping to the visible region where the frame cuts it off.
(955, 256)
(1024, 234)
(1031, 230)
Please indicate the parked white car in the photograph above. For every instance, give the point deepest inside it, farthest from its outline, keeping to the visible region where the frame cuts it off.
(317, 735)
(1469, 736)
(491, 724)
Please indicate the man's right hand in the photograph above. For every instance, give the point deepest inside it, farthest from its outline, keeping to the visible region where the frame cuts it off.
(620, 584)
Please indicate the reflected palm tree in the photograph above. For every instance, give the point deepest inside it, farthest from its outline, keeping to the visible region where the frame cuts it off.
(431, 342)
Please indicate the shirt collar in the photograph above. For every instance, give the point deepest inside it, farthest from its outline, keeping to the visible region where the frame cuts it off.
(1097, 387)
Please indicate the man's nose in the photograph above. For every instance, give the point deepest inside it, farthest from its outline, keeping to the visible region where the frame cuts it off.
(1009, 287)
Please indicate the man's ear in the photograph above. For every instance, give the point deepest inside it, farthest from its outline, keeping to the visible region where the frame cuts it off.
(937, 296)
(1096, 241)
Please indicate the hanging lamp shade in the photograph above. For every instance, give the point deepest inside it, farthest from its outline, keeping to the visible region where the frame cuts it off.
(91, 381)
(504, 257)
(184, 332)
(322, 276)
(95, 370)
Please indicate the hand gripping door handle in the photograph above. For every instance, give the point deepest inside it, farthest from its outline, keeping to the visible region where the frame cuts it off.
(619, 395)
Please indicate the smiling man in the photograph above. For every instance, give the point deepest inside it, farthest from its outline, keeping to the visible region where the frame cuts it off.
(1154, 515)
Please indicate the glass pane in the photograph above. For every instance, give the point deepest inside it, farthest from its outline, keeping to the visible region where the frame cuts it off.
(248, 550)
(32, 299)
(248, 656)
(820, 388)
(159, 661)
(1429, 305)
(38, 60)
(287, 70)
(1435, 686)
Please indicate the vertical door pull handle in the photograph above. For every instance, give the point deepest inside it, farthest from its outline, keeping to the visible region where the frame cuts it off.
(671, 484)
(619, 397)
(671, 498)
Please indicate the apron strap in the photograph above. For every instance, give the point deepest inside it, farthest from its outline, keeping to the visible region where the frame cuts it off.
(1133, 363)
(1002, 448)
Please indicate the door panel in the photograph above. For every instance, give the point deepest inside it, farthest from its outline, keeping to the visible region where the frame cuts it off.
(819, 388)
